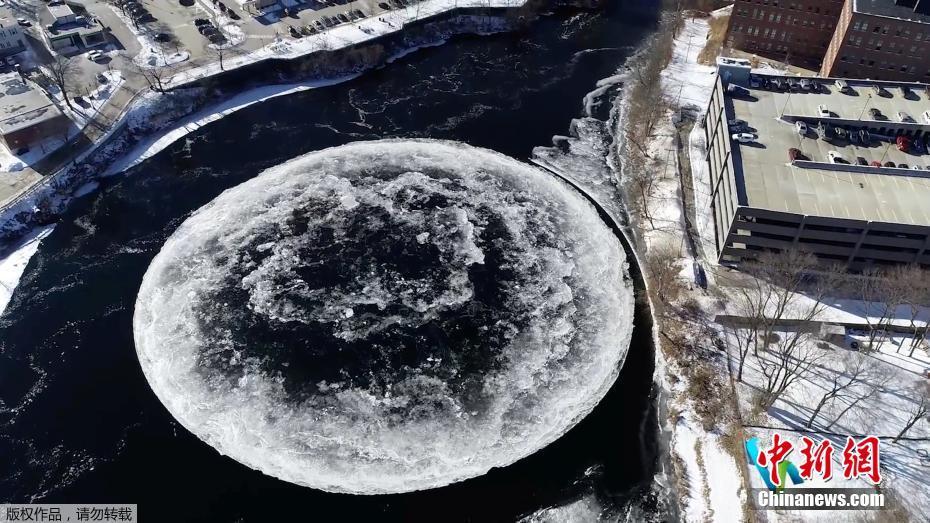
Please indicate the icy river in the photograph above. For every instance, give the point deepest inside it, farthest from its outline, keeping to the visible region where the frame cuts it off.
(451, 349)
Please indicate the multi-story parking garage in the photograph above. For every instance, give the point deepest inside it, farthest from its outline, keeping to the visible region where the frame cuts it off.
(841, 185)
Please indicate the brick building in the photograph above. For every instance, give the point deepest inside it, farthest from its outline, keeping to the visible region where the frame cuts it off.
(796, 32)
(882, 40)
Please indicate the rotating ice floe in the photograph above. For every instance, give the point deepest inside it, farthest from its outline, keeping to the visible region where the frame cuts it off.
(386, 316)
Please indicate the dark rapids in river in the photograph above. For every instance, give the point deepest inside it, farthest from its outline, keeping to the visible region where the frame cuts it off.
(79, 423)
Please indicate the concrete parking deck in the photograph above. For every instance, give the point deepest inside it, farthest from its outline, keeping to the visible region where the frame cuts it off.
(820, 188)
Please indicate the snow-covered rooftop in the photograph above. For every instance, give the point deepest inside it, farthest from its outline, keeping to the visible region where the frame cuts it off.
(22, 106)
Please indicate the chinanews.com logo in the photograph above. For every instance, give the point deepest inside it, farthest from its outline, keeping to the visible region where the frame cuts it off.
(859, 459)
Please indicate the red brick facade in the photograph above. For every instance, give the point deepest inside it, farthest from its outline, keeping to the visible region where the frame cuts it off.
(795, 32)
(878, 47)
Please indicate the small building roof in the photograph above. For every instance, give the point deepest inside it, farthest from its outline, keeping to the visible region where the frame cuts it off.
(890, 9)
(22, 106)
(61, 10)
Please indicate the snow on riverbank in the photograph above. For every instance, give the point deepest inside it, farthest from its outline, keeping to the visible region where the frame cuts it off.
(712, 484)
(343, 35)
(159, 141)
(14, 261)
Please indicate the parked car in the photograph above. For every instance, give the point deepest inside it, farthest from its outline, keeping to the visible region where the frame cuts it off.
(865, 137)
(861, 161)
(904, 117)
(795, 154)
(343, 17)
(736, 90)
(755, 82)
(875, 163)
(823, 111)
(876, 114)
(806, 84)
(916, 168)
(836, 157)
(736, 122)
(162, 37)
(801, 127)
(918, 145)
(23, 22)
(903, 143)
(95, 55)
(102, 78)
(201, 21)
(890, 164)
(841, 86)
(293, 31)
(879, 90)
(744, 137)
(903, 166)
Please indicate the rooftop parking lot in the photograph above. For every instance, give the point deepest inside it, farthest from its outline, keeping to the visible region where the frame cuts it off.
(846, 188)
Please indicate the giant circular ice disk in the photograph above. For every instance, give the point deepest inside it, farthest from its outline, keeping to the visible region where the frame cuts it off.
(386, 316)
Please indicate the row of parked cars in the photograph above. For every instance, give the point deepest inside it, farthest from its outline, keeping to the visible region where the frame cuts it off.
(209, 31)
(326, 22)
(836, 157)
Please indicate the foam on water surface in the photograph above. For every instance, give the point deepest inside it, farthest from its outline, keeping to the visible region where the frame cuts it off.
(386, 316)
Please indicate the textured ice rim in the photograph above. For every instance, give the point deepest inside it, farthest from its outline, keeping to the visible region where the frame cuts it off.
(416, 457)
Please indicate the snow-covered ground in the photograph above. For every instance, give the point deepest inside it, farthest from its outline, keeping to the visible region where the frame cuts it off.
(714, 483)
(159, 141)
(83, 112)
(886, 391)
(151, 54)
(14, 261)
(342, 35)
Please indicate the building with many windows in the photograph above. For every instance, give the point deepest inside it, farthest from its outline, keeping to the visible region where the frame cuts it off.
(878, 39)
(881, 39)
(796, 32)
(837, 168)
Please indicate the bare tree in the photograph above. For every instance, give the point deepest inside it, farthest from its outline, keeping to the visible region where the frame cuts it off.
(852, 372)
(786, 288)
(916, 285)
(157, 78)
(221, 52)
(920, 409)
(663, 271)
(881, 291)
(62, 72)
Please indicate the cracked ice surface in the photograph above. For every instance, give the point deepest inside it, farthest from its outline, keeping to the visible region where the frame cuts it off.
(386, 316)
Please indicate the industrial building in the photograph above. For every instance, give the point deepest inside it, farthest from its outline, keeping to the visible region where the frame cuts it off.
(878, 39)
(793, 32)
(850, 182)
(27, 116)
(11, 35)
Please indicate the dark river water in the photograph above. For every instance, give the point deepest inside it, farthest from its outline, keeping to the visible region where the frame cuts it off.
(78, 421)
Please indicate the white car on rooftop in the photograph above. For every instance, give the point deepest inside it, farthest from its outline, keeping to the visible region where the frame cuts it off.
(744, 137)
(95, 55)
(823, 111)
(801, 127)
(835, 157)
